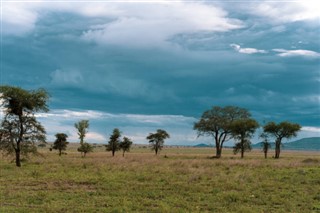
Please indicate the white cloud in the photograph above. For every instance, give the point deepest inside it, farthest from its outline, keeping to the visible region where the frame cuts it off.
(293, 53)
(238, 48)
(311, 129)
(132, 24)
(152, 25)
(88, 114)
(94, 136)
(287, 11)
(139, 118)
(307, 132)
(17, 18)
(134, 126)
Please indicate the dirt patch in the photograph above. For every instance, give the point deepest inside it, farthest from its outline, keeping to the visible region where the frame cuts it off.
(311, 160)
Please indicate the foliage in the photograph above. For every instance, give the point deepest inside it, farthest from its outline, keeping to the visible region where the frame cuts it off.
(125, 145)
(82, 127)
(279, 131)
(20, 130)
(157, 139)
(60, 142)
(114, 141)
(266, 145)
(217, 123)
(242, 146)
(242, 130)
(85, 148)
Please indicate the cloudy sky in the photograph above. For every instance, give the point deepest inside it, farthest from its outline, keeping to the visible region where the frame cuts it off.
(144, 65)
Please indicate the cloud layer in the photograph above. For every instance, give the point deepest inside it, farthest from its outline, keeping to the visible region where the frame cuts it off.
(134, 126)
(134, 61)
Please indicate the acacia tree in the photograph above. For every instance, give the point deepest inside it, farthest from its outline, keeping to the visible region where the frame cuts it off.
(279, 131)
(114, 141)
(82, 127)
(265, 145)
(217, 122)
(60, 142)
(20, 129)
(157, 139)
(125, 145)
(85, 148)
(242, 130)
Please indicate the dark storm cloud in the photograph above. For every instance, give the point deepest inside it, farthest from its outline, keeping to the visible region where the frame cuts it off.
(127, 62)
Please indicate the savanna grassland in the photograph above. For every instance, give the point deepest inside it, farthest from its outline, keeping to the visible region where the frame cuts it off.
(186, 180)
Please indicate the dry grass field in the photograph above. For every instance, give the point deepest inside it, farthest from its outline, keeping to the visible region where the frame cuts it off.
(186, 180)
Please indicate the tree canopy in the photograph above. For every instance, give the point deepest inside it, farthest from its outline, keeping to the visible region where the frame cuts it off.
(125, 145)
(279, 131)
(156, 140)
(20, 129)
(217, 123)
(85, 148)
(242, 130)
(82, 127)
(60, 143)
(114, 141)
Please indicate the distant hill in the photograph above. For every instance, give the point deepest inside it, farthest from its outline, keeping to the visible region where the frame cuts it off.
(259, 145)
(312, 144)
(202, 145)
(304, 144)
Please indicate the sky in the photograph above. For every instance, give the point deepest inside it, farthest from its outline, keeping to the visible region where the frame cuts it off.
(145, 65)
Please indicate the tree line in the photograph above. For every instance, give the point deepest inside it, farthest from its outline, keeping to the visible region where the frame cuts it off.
(115, 143)
(20, 131)
(225, 123)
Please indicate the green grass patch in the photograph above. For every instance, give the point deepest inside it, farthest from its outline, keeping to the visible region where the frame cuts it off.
(188, 180)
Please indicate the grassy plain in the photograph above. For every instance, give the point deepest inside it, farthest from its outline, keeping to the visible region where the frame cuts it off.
(186, 180)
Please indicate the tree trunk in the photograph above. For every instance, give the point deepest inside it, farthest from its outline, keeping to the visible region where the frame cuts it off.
(276, 153)
(18, 149)
(218, 147)
(156, 150)
(60, 152)
(277, 150)
(218, 151)
(18, 163)
(265, 155)
(123, 154)
(242, 147)
(112, 153)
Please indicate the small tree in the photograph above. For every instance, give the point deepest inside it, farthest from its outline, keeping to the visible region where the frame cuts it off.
(265, 144)
(85, 148)
(157, 139)
(114, 141)
(279, 131)
(20, 130)
(242, 146)
(217, 121)
(243, 130)
(125, 145)
(60, 142)
(82, 127)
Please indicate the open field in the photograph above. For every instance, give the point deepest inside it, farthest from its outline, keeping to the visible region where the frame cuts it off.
(187, 180)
